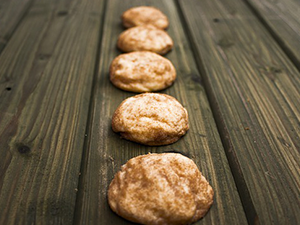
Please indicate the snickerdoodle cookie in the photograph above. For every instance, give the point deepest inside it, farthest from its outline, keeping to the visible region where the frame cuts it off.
(142, 72)
(143, 15)
(145, 38)
(151, 119)
(160, 189)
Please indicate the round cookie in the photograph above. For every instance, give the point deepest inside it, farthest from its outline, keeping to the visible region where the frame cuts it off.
(160, 189)
(151, 119)
(143, 15)
(142, 72)
(145, 38)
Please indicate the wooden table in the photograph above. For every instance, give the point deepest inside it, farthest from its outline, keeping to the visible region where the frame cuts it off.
(238, 65)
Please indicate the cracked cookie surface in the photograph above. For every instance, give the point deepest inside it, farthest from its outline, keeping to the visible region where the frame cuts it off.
(145, 38)
(160, 189)
(151, 119)
(144, 15)
(142, 72)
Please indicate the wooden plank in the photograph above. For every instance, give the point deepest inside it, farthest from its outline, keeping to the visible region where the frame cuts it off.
(46, 74)
(11, 12)
(254, 92)
(106, 151)
(282, 17)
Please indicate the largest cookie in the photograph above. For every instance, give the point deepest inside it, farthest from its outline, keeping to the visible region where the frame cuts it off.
(151, 119)
(144, 15)
(145, 38)
(160, 189)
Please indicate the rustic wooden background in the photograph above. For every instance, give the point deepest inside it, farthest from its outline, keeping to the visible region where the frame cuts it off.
(237, 63)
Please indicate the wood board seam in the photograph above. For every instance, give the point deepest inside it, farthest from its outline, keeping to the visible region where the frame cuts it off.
(88, 129)
(288, 52)
(234, 165)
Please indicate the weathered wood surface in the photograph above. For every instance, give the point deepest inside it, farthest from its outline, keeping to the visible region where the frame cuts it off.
(56, 104)
(282, 17)
(46, 74)
(11, 13)
(106, 151)
(254, 92)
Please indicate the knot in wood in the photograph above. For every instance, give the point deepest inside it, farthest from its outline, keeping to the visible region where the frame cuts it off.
(23, 149)
(62, 13)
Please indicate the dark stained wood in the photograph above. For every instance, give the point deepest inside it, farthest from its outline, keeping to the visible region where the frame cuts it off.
(11, 12)
(46, 74)
(254, 91)
(106, 151)
(282, 17)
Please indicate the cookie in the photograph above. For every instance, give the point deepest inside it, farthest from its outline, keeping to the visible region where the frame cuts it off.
(144, 15)
(160, 189)
(142, 72)
(145, 38)
(151, 119)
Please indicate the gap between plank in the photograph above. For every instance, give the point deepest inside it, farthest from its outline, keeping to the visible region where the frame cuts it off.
(7, 37)
(80, 186)
(273, 34)
(234, 165)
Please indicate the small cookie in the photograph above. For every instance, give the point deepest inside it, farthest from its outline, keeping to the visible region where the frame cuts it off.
(142, 72)
(160, 189)
(144, 15)
(151, 119)
(145, 38)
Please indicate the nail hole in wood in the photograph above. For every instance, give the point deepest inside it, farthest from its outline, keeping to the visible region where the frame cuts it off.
(8, 88)
(23, 149)
(277, 70)
(62, 13)
(216, 20)
(196, 79)
(44, 56)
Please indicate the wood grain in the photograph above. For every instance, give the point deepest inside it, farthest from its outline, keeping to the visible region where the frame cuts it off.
(282, 18)
(46, 74)
(11, 13)
(254, 91)
(106, 151)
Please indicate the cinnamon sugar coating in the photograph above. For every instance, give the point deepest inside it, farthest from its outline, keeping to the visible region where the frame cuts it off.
(145, 38)
(151, 119)
(160, 189)
(142, 72)
(144, 15)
